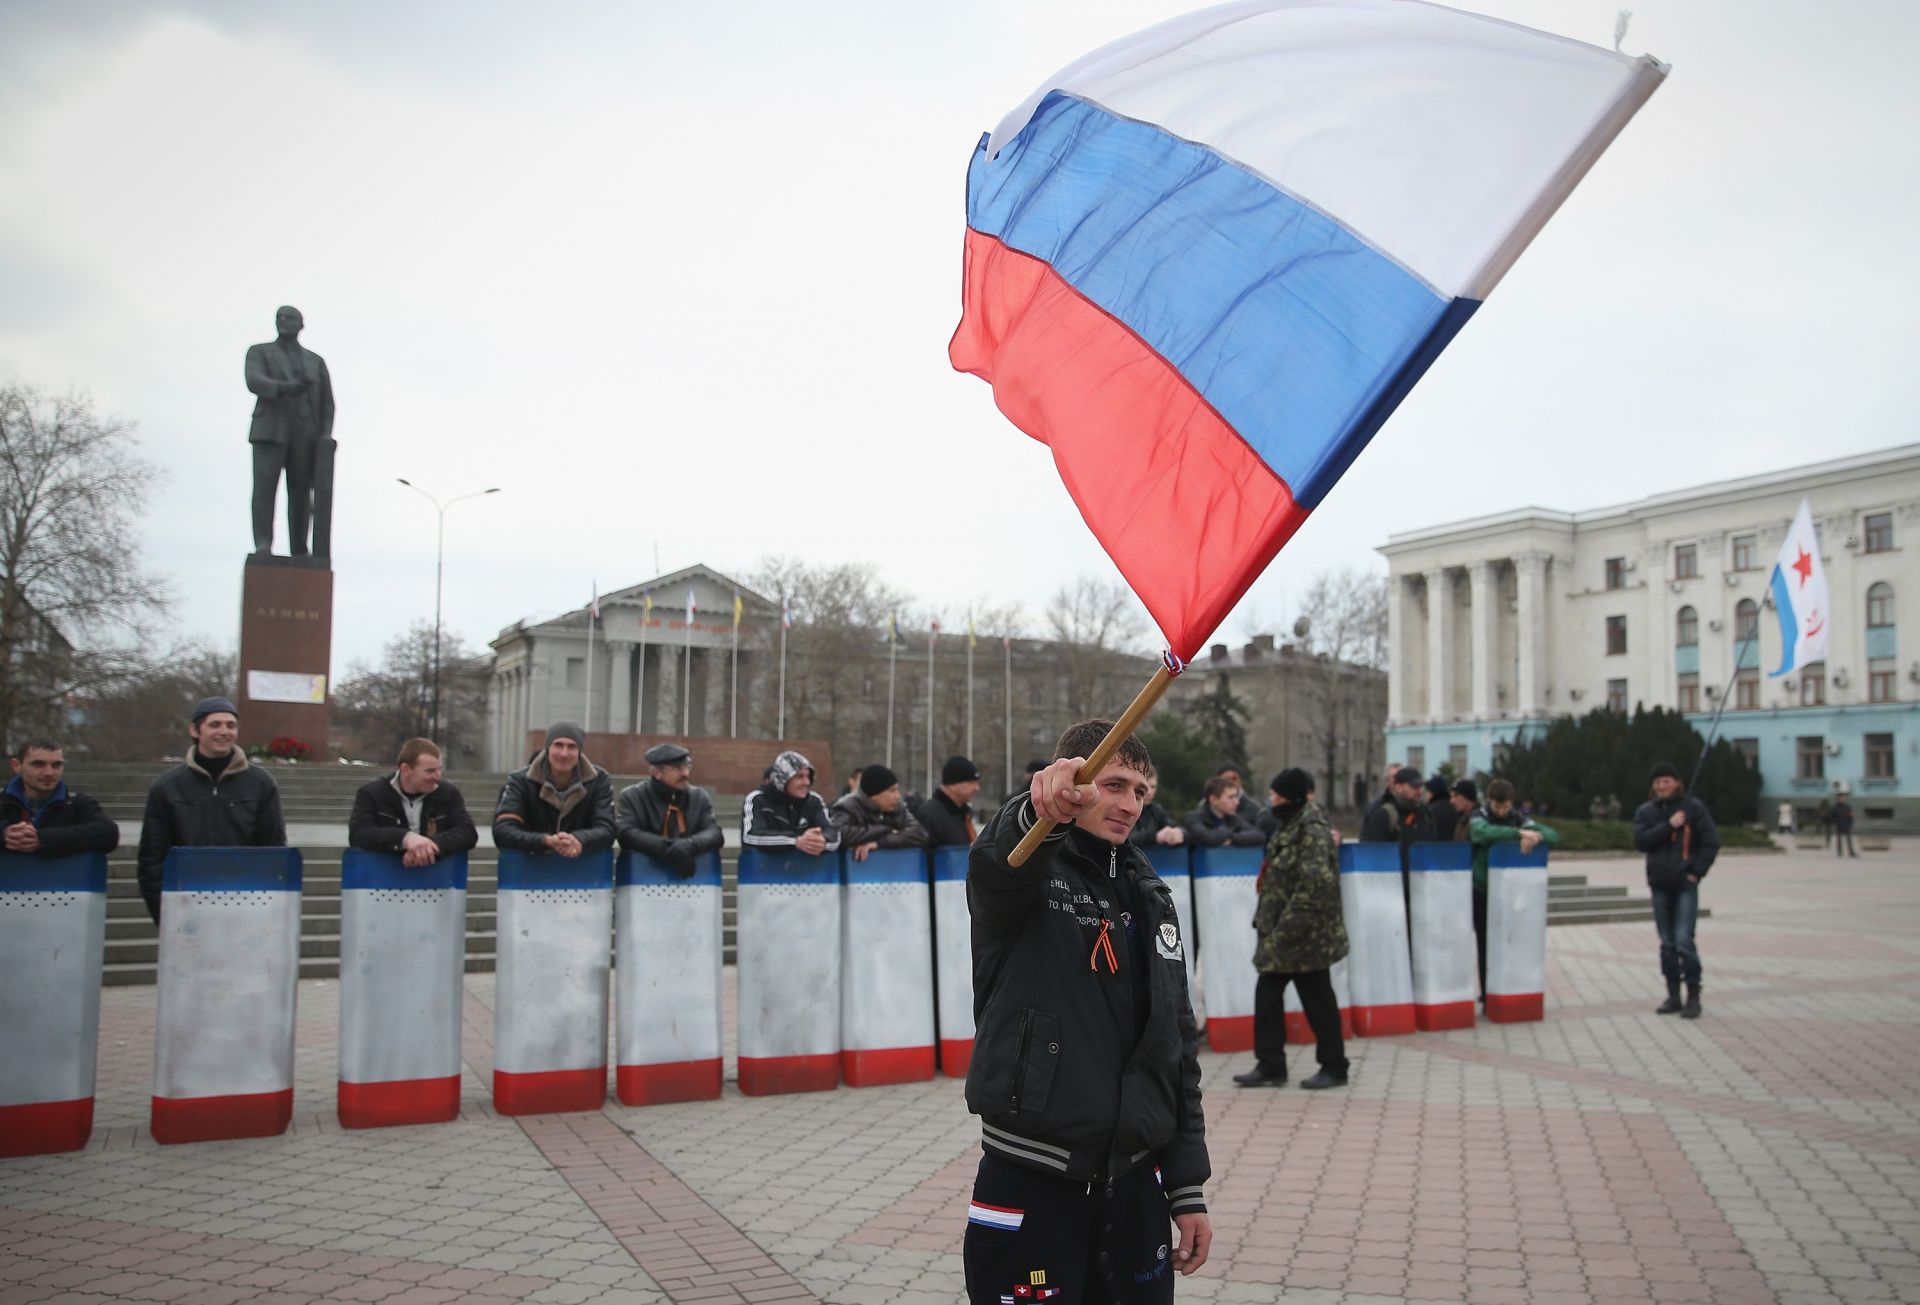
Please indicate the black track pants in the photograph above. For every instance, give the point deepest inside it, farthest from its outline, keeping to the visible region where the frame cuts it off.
(1112, 1245)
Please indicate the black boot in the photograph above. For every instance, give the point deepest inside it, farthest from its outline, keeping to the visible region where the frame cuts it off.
(1671, 1006)
(1691, 1011)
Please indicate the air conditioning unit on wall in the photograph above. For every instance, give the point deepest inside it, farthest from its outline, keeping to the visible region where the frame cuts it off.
(1833, 749)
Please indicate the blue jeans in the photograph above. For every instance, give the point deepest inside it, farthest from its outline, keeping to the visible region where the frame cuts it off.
(1674, 913)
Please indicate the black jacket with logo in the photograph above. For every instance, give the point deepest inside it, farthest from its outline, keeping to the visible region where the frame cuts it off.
(70, 822)
(379, 819)
(187, 807)
(1060, 1078)
(672, 827)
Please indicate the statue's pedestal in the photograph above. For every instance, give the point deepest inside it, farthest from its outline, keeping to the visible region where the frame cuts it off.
(286, 650)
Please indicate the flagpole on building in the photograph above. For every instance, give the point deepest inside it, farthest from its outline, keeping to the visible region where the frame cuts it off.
(933, 637)
(733, 711)
(592, 608)
(640, 689)
(1714, 726)
(686, 677)
(893, 675)
(1129, 721)
(786, 620)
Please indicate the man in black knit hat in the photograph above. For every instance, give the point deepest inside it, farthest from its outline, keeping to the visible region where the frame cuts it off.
(1677, 833)
(873, 816)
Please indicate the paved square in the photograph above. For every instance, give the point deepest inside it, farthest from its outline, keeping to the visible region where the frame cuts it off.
(1768, 1152)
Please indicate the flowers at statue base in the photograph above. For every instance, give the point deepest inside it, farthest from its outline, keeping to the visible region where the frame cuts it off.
(288, 748)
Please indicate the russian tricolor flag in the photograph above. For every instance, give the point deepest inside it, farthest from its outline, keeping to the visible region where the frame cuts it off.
(1206, 262)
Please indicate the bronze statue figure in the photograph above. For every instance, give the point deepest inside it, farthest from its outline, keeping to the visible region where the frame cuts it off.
(292, 433)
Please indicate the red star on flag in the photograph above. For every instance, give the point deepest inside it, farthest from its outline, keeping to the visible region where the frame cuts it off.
(1804, 565)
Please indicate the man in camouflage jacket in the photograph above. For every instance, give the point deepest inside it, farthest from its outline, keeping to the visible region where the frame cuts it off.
(1301, 934)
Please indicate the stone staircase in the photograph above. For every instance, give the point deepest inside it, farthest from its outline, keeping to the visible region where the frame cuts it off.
(321, 796)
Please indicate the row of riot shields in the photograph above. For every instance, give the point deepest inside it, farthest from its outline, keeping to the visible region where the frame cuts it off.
(855, 971)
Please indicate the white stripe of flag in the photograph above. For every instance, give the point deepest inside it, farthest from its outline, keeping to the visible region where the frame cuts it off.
(994, 1216)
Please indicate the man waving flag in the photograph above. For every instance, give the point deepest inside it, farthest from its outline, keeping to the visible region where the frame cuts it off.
(1799, 589)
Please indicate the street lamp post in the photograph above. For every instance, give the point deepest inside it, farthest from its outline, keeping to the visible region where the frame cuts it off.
(439, 571)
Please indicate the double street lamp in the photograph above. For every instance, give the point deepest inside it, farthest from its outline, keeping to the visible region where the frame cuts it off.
(439, 571)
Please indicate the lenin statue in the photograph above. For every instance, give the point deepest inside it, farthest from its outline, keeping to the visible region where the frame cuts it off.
(292, 434)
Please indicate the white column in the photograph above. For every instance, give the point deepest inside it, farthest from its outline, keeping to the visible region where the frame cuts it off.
(619, 687)
(1485, 602)
(1531, 571)
(1439, 636)
(1397, 664)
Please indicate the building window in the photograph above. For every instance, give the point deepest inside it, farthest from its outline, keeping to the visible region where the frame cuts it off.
(1744, 548)
(1813, 685)
(1810, 757)
(1746, 690)
(576, 672)
(1502, 754)
(1879, 606)
(1616, 695)
(1750, 750)
(1616, 636)
(1457, 760)
(1746, 621)
(1883, 682)
(1689, 693)
(1616, 573)
(1686, 628)
(1417, 758)
(1880, 756)
(1879, 532)
(1686, 561)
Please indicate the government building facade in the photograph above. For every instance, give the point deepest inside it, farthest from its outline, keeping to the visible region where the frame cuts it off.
(1500, 623)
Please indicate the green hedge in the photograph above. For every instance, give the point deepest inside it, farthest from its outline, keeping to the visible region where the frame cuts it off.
(1617, 835)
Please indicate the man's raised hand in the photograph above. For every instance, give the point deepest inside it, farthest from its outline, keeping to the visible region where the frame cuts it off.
(1056, 794)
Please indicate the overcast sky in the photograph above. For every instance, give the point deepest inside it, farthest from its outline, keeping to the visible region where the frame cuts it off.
(681, 277)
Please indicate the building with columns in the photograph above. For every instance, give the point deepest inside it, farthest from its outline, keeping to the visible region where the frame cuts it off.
(1499, 623)
(649, 669)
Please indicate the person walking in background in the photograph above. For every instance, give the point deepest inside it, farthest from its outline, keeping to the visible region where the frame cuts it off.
(1843, 825)
(1300, 933)
(1824, 813)
(1677, 833)
(1496, 822)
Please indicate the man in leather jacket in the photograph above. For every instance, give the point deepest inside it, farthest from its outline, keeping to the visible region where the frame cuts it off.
(413, 811)
(41, 816)
(1085, 1069)
(874, 816)
(665, 816)
(215, 798)
(561, 803)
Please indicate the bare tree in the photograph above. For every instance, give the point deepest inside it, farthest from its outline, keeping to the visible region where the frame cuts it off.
(1093, 619)
(143, 714)
(377, 708)
(1342, 625)
(71, 489)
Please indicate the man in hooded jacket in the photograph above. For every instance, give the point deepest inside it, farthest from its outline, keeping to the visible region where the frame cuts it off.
(785, 812)
(665, 816)
(561, 803)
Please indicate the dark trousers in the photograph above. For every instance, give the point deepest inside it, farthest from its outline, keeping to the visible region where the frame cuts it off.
(1675, 911)
(1843, 843)
(1105, 1243)
(1323, 1017)
(1480, 934)
(295, 458)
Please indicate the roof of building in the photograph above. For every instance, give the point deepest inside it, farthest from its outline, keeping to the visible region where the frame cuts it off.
(1859, 466)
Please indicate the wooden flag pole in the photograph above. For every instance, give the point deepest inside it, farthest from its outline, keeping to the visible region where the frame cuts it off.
(1129, 721)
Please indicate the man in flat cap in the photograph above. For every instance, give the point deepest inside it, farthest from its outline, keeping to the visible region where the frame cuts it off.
(215, 798)
(665, 816)
(874, 816)
(948, 814)
(561, 803)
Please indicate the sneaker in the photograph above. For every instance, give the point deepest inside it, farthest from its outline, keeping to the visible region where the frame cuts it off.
(1256, 1077)
(1324, 1080)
